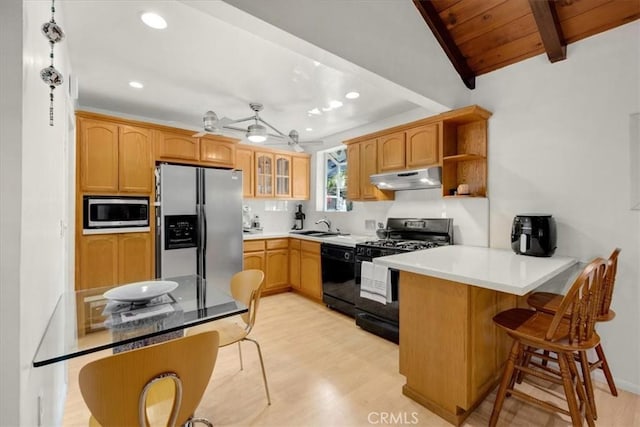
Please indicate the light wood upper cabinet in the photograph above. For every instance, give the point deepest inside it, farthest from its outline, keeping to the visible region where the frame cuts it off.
(134, 257)
(135, 162)
(455, 140)
(244, 162)
(177, 145)
(114, 158)
(217, 151)
(423, 146)
(300, 178)
(353, 171)
(391, 152)
(98, 156)
(283, 175)
(264, 175)
(98, 260)
(368, 167)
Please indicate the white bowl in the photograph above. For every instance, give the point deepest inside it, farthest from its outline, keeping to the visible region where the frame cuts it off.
(140, 291)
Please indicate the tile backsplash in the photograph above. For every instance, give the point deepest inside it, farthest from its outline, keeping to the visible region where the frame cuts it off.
(275, 215)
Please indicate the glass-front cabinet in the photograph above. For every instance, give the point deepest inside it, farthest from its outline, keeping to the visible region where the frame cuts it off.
(283, 175)
(264, 174)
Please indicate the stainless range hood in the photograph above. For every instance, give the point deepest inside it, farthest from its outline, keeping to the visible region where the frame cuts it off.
(409, 180)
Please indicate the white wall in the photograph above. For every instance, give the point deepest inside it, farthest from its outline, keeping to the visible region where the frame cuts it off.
(44, 263)
(10, 208)
(559, 143)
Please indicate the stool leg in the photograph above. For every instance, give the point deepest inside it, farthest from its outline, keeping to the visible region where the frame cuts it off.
(504, 383)
(605, 367)
(581, 392)
(567, 383)
(588, 384)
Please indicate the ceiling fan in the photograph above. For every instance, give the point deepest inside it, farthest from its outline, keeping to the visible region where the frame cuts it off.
(257, 132)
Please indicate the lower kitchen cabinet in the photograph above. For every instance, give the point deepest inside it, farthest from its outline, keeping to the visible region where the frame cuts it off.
(254, 261)
(287, 263)
(134, 257)
(294, 263)
(110, 259)
(277, 263)
(253, 255)
(271, 256)
(310, 270)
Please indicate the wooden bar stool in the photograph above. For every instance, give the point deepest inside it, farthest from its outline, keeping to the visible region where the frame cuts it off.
(569, 331)
(548, 302)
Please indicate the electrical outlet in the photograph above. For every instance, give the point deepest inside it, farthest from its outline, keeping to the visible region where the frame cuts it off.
(370, 224)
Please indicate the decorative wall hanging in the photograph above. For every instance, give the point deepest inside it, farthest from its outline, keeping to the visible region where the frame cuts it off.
(50, 75)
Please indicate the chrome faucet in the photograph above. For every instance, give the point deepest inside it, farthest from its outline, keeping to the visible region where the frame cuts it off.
(326, 221)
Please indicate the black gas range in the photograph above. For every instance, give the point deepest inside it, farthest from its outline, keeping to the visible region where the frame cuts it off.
(403, 235)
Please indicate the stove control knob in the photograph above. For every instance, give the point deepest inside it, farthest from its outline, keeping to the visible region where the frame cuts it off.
(347, 256)
(368, 252)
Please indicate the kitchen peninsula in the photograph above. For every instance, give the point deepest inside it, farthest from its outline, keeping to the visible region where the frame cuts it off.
(451, 353)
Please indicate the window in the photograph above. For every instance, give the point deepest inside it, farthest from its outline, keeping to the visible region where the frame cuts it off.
(335, 181)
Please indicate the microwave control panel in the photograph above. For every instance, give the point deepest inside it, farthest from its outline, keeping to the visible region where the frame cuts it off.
(180, 231)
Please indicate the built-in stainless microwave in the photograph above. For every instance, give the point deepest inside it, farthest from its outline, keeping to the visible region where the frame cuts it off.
(100, 212)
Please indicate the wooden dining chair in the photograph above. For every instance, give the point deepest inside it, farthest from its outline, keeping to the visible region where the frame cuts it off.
(571, 330)
(161, 384)
(548, 302)
(246, 286)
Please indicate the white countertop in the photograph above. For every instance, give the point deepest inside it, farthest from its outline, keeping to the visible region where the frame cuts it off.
(347, 240)
(497, 269)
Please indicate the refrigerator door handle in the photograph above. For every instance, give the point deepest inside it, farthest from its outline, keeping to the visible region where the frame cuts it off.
(204, 235)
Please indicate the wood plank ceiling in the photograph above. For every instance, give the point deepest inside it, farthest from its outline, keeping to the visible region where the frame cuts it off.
(480, 36)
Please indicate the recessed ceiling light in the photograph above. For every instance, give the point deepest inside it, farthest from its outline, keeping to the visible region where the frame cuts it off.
(352, 95)
(136, 85)
(309, 129)
(335, 104)
(315, 112)
(154, 20)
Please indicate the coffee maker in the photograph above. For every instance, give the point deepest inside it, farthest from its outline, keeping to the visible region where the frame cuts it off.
(534, 234)
(299, 217)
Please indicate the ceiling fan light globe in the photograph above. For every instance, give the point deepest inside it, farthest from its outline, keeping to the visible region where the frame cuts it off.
(257, 133)
(210, 119)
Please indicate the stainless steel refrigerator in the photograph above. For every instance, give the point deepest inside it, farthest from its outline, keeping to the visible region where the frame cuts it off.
(198, 222)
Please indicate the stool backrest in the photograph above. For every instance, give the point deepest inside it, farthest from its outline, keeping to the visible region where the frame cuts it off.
(609, 281)
(581, 305)
(126, 388)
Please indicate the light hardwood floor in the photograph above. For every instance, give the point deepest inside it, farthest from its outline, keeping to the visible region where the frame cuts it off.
(325, 371)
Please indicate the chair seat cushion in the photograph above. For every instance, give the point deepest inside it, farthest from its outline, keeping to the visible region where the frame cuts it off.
(231, 330)
(532, 326)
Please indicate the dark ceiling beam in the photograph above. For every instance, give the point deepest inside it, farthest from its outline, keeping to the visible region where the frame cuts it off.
(544, 12)
(431, 17)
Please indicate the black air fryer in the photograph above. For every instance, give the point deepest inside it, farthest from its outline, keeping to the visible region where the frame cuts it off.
(534, 234)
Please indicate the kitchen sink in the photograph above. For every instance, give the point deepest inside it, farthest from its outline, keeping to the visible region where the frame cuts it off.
(315, 233)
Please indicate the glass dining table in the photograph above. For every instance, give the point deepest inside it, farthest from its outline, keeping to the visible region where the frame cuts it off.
(85, 321)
